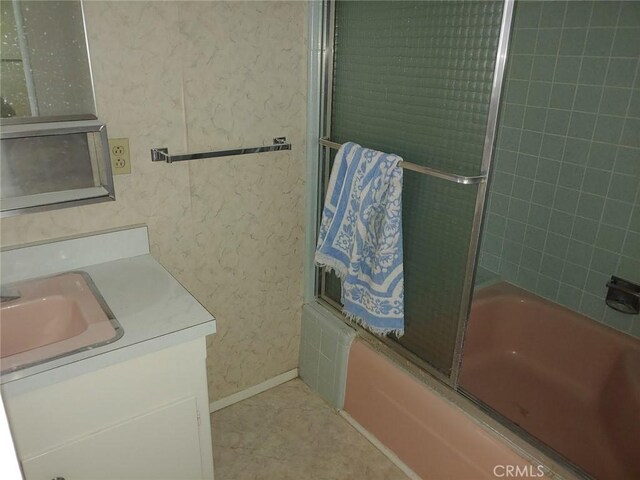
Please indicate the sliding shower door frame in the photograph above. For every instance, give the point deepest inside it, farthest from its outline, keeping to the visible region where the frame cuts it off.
(482, 193)
(326, 97)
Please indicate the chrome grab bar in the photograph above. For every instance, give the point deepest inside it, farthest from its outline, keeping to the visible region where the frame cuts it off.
(162, 154)
(421, 169)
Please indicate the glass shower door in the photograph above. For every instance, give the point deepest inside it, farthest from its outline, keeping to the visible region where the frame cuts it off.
(417, 79)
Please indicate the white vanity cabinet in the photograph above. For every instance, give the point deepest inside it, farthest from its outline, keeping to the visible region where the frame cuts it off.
(145, 417)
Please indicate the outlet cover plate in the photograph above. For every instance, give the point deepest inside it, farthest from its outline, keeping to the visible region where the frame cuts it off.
(120, 158)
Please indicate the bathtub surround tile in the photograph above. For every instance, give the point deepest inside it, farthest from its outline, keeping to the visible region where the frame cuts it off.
(324, 350)
(580, 108)
(199, 76)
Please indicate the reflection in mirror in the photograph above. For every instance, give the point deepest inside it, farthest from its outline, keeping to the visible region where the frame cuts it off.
(44, 62)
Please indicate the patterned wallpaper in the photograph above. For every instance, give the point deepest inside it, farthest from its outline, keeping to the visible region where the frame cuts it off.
(195, 76)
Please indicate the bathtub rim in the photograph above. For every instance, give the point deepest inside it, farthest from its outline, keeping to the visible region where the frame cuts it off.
(533, 450)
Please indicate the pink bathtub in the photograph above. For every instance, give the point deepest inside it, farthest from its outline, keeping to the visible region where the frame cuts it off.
(567, 380)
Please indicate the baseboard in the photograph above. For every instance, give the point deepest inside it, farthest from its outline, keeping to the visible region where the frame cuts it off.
(380, 446)
(251, 391)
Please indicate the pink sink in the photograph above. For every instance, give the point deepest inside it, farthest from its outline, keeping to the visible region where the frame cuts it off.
(54, 317)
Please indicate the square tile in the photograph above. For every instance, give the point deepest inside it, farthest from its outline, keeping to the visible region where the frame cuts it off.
(610, 238)
(579, 253)
(587, 98)
(534, 118)
(627, 43)
(578, 13)
(530, 142)
(590, 206)
(608, 129)
(605, 14)
(517, 91)
(629, 268)
(552, 14)
(597, 283)
(548, 170)
(543, 193)
(531, 260)
(557, 121)
(535, 237)
(539, 93)
(617, 213)
(596, 181)
(623, 187)
(553, 146)
(632, 245)
(604, 261)
(547, 287)
(561, 223)
(584, 229)
(574, 275)
(515, 231)
(629, 14)
(512, 115)
(551, 266)
(499, 203)
(631, 133)
(543, 67)
(628, 161)
(527, 166)
(573, 41)
(562, 96)
(520, 66)
(548, 42)
(522, 188)
(615, 101)
(527, 14)
(621, 72)
(592, 306)
(571, 175)
(539, 216)
(593, 70)
(527, 279)
(506, 161)
(602, 155)
(576, 150)
(569, 296)
(518, 209)
(523, 41)
(582, 124)
(566, 200)
(599, 41)
(556, 245)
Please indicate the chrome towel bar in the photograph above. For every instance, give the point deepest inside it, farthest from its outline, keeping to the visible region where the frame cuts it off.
(162, 154)
(421, 169)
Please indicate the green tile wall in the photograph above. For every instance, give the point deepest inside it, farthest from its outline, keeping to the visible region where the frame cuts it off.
(564, 207)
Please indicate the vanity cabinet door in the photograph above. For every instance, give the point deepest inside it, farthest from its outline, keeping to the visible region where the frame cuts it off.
(162, 444)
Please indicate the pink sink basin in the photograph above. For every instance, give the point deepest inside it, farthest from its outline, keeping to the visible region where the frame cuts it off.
(54, 317)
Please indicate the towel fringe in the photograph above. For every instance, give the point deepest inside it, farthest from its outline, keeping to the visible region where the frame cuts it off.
(383, 332)
(330, 264)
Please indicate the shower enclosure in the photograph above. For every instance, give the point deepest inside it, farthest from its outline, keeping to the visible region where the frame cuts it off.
(543, 196)
(421, 79)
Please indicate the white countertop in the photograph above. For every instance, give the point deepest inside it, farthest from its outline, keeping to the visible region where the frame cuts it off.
(154, 310)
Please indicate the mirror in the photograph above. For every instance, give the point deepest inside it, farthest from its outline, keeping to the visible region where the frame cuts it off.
(54, 153)
(44, 62)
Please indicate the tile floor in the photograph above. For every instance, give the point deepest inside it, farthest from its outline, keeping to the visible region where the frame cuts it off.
(288, 432)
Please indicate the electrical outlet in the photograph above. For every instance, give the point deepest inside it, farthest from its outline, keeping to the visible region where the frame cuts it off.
(120, 158)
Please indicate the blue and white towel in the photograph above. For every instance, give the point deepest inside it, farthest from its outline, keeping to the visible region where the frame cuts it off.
(361, 237)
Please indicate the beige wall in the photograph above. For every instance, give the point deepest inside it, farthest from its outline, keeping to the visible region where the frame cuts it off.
(195, 76)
